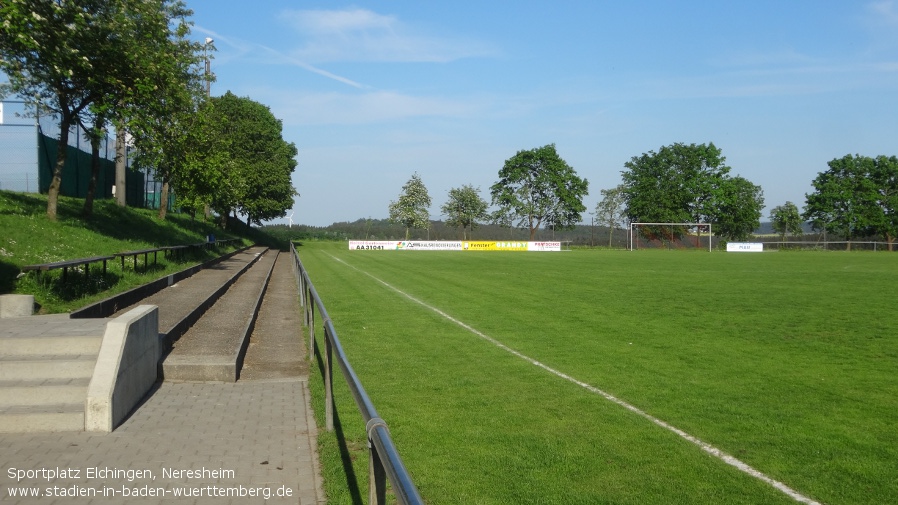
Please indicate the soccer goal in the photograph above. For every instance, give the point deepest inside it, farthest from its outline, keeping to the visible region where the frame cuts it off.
(670, 236)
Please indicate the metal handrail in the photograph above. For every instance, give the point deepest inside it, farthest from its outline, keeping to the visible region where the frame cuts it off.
(384, 462)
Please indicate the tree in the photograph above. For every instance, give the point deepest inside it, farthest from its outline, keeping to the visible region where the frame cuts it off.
(735, 208)
(161, 82)
(537, 187)
(846, 199)
(465, 208)
(61, 73)
(674, 184)
(610, 210)
(411, 209)
(228, 154)
(691, 183)
(109, 55)
(885, 178)
(786, 219)
(259, 162)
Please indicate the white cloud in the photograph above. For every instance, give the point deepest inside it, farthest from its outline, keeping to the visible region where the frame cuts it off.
(363, 108)
(885, 12)
(232, 49)
(363, 35)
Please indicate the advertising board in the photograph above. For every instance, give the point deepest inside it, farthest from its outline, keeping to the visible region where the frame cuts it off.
(745, 247)
(449, 245)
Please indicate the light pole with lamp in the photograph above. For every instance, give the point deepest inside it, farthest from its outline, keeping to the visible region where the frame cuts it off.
(209, 41)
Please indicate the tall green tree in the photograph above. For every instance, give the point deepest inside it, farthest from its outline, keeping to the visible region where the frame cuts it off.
(85, 60)
(243, 164)
(735, 208)
(885, 178)
(610, 211)
(674, 184)
(846, 200)
(411, 209)
(691, 183)
(54, 54)
(786, 219)
(538, 188)
(161, 88)
(465, 208)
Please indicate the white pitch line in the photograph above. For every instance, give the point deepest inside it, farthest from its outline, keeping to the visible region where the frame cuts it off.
(710, 449)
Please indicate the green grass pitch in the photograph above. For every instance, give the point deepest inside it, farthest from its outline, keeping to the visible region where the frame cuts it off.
(786, 361)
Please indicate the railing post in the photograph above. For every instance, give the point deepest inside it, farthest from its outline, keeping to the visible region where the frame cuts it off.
(377, 477)
(328, 382)
(377, 474)
(310, 321)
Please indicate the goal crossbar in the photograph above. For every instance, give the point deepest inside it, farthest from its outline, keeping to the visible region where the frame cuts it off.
(634, 226)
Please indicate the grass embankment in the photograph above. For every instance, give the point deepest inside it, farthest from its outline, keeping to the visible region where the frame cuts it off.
(28, 237)
(784, 360)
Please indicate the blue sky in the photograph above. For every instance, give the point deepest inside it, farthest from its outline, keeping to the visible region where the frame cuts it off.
(371, 92)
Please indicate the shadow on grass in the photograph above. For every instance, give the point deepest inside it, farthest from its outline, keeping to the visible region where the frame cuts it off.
(8, 273)
(346, 455)
(75, 285)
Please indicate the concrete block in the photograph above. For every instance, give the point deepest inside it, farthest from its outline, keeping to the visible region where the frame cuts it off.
(16, 305)
(126, 368)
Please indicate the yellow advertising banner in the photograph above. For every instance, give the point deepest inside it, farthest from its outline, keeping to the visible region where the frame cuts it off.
(481, 245)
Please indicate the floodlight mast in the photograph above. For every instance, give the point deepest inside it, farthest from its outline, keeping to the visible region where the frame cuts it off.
(633, 227)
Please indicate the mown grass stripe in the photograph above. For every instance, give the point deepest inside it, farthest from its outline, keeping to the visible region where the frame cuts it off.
(708, 448)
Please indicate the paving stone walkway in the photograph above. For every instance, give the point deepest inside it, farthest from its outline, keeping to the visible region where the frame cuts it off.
(253, 441)
(247, 442)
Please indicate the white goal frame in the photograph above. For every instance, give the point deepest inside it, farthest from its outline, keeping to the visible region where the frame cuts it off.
(633, 227)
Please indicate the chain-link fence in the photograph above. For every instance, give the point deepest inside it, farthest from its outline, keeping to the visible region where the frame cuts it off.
(18, 148)
(28, 146)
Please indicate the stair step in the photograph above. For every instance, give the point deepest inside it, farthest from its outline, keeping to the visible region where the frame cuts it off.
(56, 345)
(211, 350)
(46, 367)
(42, 418)
(47, 391)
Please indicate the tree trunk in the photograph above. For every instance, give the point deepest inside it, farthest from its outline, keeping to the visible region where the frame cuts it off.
(88, 209)
(61, 153)
(120, 166)
(163, 199)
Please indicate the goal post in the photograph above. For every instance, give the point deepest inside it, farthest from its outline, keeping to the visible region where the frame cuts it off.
(670, 235)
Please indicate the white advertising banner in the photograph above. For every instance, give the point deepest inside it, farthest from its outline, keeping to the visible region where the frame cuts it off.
(430, 245)
(745, 247)
(404, 245)
(543, 246)
(373, 245)
(448, 245)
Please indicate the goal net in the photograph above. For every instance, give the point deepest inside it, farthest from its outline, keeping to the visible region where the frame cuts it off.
(671, 236)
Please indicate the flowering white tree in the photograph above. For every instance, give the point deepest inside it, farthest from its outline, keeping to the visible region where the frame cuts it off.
(411, 209)
(465, 208)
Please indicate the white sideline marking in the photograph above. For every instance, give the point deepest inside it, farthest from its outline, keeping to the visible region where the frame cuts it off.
(710, 449)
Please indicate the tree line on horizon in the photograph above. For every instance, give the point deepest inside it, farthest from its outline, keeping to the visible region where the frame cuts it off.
(130, 66)
(856, 198)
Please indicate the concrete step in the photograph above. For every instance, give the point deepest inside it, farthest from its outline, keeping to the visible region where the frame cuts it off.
(46, 367)
(43, 392)
(42, 418)
(74, 345)
(212, 350)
